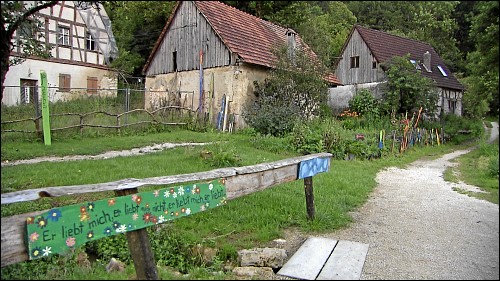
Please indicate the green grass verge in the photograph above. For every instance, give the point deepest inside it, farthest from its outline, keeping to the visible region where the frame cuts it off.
(245, 222)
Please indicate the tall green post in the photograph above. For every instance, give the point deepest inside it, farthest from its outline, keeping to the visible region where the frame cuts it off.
(45, 108)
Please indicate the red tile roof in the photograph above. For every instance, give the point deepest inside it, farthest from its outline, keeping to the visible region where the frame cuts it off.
(384, 46)
(252, 38)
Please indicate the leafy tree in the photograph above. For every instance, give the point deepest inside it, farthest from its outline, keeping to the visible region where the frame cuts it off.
(18, 15)
(433, 22)
(21, 16)
(407, 90)
(481, 95)
(136, 27)
(294, 90)
(324, 26)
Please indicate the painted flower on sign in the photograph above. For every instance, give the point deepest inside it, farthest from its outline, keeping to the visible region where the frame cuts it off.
(47, 251)
(181, 191)
(108, 231)
(111, 202)
(41, 222)
(55, 214)
(147, 217)
(71, 241)
(121, 229)
(34, 236)
(36, 252)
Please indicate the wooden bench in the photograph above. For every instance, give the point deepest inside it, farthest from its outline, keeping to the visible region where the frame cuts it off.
(326, 259)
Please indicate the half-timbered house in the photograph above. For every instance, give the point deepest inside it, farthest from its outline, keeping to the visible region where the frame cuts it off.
(366, 49)
(82, 47)
(210, 53)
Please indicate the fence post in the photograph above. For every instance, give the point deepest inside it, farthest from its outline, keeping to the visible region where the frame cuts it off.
(127, 104)
(36, 103)
(308, 186)
(140, 248)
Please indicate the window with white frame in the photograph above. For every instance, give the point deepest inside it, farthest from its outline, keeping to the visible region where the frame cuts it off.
(89, 42)
(63, 35)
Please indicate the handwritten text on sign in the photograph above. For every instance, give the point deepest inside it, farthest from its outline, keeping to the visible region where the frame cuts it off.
(68, 227)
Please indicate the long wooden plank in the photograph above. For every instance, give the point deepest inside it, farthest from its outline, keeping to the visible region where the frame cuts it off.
(346, 262)
(309, 259)
(34, 194)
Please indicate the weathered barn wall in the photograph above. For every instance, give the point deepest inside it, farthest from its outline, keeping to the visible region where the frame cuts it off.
(366, 72)
(184, 87)
(179, 50)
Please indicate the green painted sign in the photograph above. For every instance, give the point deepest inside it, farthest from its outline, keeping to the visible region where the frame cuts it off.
(62, 229)
(45, 108)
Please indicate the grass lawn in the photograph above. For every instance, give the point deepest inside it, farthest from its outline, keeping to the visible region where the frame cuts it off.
(246, 222)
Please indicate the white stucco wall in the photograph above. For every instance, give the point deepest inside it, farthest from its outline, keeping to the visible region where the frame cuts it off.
(30, 70)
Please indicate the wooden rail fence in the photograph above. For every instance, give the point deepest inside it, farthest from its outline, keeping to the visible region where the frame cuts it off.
(238, 181)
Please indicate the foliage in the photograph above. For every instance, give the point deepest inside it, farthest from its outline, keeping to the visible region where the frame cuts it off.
(136, 27)
(462, 129)
(364, 103)
(481, 95)
(269, 115)
(19, 16)
(294, 90)
(407, 90)
(323, 26)
(219, 155)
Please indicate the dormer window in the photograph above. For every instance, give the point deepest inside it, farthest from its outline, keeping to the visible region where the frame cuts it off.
(442, 71)
(415, 64)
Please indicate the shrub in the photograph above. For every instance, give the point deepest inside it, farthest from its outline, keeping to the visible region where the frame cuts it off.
(364, 103)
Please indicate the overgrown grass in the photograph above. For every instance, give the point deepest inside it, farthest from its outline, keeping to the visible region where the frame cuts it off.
(479, 168)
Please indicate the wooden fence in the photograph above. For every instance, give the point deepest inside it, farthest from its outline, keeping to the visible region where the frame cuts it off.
(238, 181)
(155, 115)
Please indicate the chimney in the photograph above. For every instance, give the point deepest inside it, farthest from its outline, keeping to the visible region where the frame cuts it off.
(290, 34)
(427, 61)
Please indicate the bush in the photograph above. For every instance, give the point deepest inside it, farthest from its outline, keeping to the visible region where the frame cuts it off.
(221, 156)
(460, 129)
(364, 103)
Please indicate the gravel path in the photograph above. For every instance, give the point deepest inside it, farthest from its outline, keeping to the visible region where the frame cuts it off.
(418, 227)
(105, 155)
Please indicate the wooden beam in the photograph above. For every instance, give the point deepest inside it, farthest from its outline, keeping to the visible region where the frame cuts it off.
(139, 247)
(308, 187)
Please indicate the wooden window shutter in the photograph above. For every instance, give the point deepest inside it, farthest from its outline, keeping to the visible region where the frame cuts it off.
(92, 85)
(64, 82)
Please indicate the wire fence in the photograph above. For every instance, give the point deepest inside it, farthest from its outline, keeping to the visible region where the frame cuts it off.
(93, 111)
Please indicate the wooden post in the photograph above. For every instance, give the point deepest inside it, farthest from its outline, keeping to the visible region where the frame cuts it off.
(308, 186)
(140, 249)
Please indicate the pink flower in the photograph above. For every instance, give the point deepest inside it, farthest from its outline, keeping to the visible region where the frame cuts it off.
(70, 242)
(34, 237)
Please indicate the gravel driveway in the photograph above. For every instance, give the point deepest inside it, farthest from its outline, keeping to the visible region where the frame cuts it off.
(418, 227)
